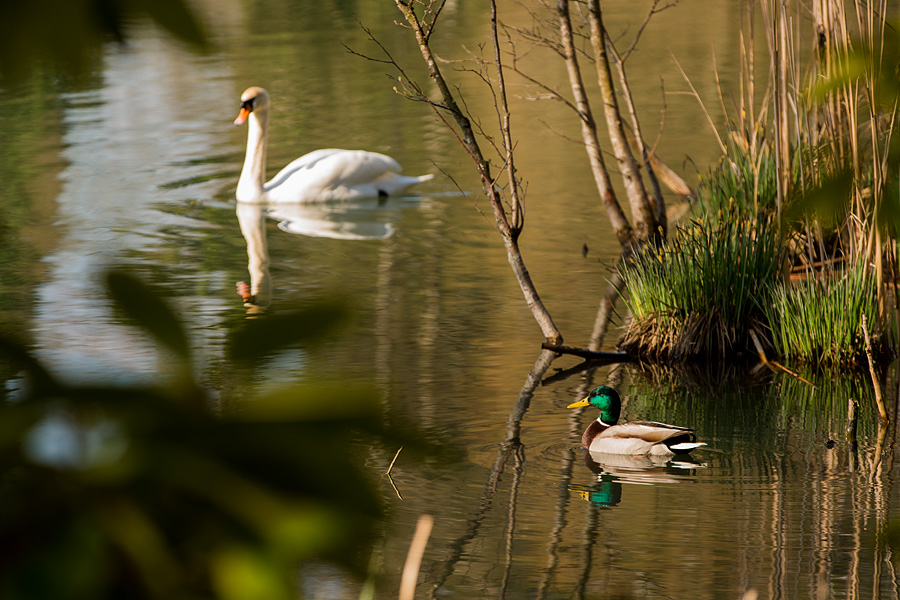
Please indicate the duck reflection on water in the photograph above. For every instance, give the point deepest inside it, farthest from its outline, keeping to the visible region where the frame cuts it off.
(613, 470)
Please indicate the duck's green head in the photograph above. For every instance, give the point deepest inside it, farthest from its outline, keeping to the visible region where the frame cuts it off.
(606, 400)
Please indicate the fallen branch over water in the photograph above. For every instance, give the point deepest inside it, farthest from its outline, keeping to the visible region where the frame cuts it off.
(588, 354)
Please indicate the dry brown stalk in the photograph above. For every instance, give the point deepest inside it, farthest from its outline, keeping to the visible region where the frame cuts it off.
(391, 466)
(410, 573)
(771, 363)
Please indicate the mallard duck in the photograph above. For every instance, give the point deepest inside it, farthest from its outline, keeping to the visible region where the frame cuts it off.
(635, 438)
(321, 175)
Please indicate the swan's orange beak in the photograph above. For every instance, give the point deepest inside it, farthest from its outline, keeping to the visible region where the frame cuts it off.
(242, 116)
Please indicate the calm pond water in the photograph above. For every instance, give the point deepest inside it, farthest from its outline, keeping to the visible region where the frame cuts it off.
(138, 167)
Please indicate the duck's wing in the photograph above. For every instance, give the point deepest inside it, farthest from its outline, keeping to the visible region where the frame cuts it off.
(649, 431)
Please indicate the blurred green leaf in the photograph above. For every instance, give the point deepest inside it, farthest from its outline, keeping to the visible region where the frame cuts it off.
(149, 311)
(158, 498)
(312, 403)
(243, 574)
(15, 351)
(889, 211)
(847, 71)
(827, 202)
(258, 338)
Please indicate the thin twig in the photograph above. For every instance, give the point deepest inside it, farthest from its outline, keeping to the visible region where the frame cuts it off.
(637, 36)
(391, 466)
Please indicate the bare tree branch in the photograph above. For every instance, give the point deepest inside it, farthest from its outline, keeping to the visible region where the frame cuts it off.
(637, 37)
(508, 226)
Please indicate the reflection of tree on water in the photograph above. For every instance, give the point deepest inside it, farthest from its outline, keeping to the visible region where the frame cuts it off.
(513, 448)
(363, 220)
(607, 492)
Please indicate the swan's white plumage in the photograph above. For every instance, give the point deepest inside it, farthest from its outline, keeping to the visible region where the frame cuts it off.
(322, 175)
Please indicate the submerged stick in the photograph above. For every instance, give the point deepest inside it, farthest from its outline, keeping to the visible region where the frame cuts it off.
(879, 399)
(388, 473)
(792, 373)
(772, 364)
(852, 410)
(414, 557)
(394, 485)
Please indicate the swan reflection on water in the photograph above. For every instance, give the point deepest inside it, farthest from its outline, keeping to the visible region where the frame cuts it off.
(613, 470)
(368, 219)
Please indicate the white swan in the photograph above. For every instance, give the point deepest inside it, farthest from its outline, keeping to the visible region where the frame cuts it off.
(321, 175)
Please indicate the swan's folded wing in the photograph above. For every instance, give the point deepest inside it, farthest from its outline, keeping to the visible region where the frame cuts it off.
(330, 168)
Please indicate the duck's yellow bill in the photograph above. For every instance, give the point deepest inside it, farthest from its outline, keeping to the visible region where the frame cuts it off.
(579, 404)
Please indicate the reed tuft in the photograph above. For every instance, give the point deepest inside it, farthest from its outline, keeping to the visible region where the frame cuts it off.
(700, 293)
(819, 320)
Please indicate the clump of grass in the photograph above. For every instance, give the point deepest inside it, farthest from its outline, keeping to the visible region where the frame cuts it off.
(701, 292)
(742, 181)
(819, 320)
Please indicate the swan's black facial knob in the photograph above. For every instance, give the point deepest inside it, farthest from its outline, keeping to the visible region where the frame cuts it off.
(246, 109)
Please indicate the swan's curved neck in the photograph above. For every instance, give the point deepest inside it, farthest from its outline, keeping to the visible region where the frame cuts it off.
(253, 175)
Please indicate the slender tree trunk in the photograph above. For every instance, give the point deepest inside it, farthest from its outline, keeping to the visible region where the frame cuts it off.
(532, 299)
(642, 208)
(617, 218)
(658, 201)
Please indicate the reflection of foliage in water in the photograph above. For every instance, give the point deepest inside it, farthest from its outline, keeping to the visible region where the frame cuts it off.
(710, 396)
(28, 137)
(144, 493)
(828, 399)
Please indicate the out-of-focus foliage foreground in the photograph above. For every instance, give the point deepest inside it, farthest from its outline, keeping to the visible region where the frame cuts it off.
(134, 492)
